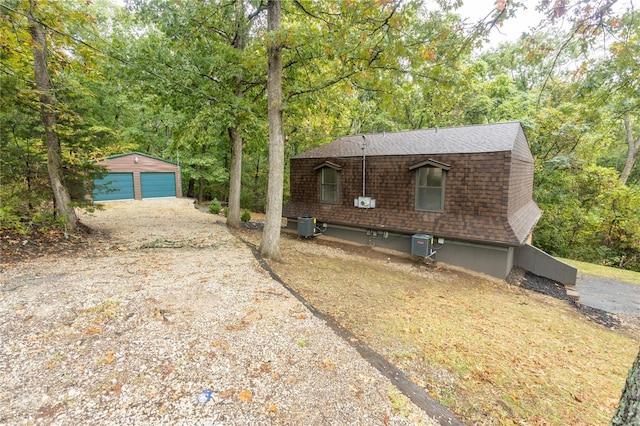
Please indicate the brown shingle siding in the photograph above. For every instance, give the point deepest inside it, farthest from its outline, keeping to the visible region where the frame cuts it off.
(483, 189)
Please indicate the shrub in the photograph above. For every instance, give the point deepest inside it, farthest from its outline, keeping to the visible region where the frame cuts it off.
(246, 216)
(10, 219)
(225, 212)
(215, 206)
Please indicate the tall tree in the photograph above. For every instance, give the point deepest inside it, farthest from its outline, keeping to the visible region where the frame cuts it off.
(220, 68)
(47, 112)
(235, 173)
(353, 47)
(51, 124)
(270, 241)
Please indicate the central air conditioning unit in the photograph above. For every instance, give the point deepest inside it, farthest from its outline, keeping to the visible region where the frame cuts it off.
(364, 203)
(306, 226)
(422, 245)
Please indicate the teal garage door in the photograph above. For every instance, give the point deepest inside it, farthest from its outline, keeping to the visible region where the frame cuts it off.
(114, 186)
(156, 184)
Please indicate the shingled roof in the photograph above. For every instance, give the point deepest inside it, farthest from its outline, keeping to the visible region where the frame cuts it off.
(447, 140)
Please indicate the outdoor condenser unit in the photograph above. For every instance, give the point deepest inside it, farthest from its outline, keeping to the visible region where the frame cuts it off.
(422, 245)
(306, 226)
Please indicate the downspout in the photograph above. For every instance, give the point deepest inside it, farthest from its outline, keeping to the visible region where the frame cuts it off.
(364, 164)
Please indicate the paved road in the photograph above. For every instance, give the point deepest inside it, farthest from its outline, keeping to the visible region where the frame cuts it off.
(609, 295)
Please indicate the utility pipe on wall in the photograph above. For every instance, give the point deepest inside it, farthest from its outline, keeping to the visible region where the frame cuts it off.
(364, 164)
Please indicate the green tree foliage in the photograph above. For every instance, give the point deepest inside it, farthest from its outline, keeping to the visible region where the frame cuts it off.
(588, 214)
(208, 60)
(188, 83)
(52, 155)
(388, 67)
(578, 109)
(613, 82)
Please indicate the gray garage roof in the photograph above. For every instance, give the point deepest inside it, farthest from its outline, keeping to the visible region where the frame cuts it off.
(447, 140)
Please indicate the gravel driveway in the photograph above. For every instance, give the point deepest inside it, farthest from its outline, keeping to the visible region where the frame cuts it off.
(609, 295)
(133, 330)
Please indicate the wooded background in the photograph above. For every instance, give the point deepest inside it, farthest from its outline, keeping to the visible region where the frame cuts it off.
(187, 81)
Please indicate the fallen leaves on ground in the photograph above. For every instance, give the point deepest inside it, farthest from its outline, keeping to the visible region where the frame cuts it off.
(245, 396)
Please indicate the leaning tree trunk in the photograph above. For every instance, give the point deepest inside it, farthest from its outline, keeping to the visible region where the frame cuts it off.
(632, 152)
(270, 242)
(54, 152)
(628, 412)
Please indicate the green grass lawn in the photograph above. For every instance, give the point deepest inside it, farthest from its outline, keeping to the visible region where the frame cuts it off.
(605, 271)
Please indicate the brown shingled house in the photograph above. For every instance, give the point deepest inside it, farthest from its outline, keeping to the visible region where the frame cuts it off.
(469, 187)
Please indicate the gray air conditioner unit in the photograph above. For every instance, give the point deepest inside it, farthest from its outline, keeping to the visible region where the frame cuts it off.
(306, 226)
(422, 245)
(364, 203)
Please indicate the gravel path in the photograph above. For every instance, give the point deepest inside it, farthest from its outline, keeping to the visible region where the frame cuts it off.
(134, 329)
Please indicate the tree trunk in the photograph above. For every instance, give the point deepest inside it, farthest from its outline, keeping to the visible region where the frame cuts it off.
(628, 412)
(235, 173)
(191, 191)
(54, 152)
(256, 186)
(203, 151)
(632, 153)
(270, 242)
(235, 178)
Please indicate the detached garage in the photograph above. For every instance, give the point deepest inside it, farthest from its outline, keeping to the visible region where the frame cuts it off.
(137, 176)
